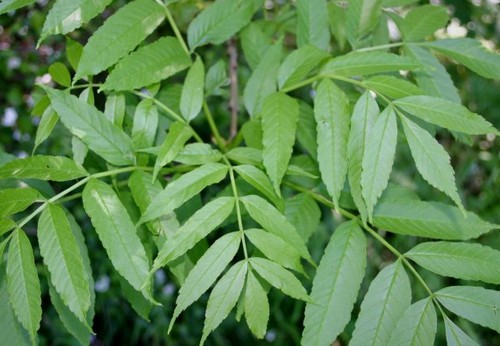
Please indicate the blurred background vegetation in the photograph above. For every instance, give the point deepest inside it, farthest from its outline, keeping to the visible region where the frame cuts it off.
(477, 166)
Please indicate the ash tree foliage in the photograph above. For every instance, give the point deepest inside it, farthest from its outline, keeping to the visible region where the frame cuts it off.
(316, 123)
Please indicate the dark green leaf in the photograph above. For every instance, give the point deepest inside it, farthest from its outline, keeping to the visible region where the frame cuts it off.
(60, 74)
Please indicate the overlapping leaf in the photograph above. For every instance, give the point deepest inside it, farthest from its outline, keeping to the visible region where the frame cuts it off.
(361, 17)
(299, 63)
(145, 124)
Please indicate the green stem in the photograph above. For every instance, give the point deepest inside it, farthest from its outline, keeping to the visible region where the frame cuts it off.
(218, 138)
(176, 30)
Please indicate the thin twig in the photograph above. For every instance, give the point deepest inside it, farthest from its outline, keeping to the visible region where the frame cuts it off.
(233, 82)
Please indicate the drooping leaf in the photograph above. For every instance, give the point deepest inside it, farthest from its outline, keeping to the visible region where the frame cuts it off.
(182, 189)
(273, 221)
(260, 181)
(471, 53)
(23, 283)
(206, 271)
(262, 82)
(68, 15)
(302, 211)
(279, 277)
(148, 65)
(198, 154)
(433, 77)
(55, 168)
(12, 332)
(15, 200)
(11, 5)
(367, 63)
(361, 17)
(224, 297)
(387, 299)
(61, 254)
(335, 286)
(378, 157)
(417, 326)
(178, 134)
(423, 21)
(192, 91)
(218, 22)
(446, 114)
(256, 306)
(119, 35)
(47, 123)
(275, 248)
(60, 74)
(456, 336)
(477, 304)
(430, 220)
(116, 232)
(363, 117)
(280, 114)
(393, 87)
(145, 124)
(331, 110)
(312, 24)
(91, 126)
(432, 161)
(196, 228)
(299, 63)
(458, 260)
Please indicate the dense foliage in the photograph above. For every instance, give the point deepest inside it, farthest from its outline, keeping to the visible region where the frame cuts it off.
(261, 157)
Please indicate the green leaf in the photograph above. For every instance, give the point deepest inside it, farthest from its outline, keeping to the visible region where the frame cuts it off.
(280, 278)
(60, 74)
(432, 161)
(91, 126)
(387, 299)
(182, 189)
(256, 306)
(477, 304)
(456, 336)
(47, 123)
(218, 22)
(273, 221)
(458, 260)
(116, 232)
(394, 3)
(119, 35)
(224, 297)
(433, 77)
(417, 326)
(216, 77)
(198, 154)
(378, 157)
(206, 271)
(61, 254)
(68, 15)
(11, 5)
(15, 200)
(254, 43)
(262, 82)
(446, 114)
(196, 228)
(178, 134)
(393, 87)
(245, 155)
(302, 211)
(312, 24)
(140, 304)
(298, 64)
(280, 114)
(260, 181)
(145, 124)
(471, 53)
(335, 286)
(366, 63)
(114, 108)
(331, 110)
(363, 118)
(55, 168)
(429, 220)
(423, 21)
(306, 129)
(275, 248)
(192, 91)
(6, 225)
(362, 16)
(23, 283)
(11, 333)
(150, 64)
(73, 52)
